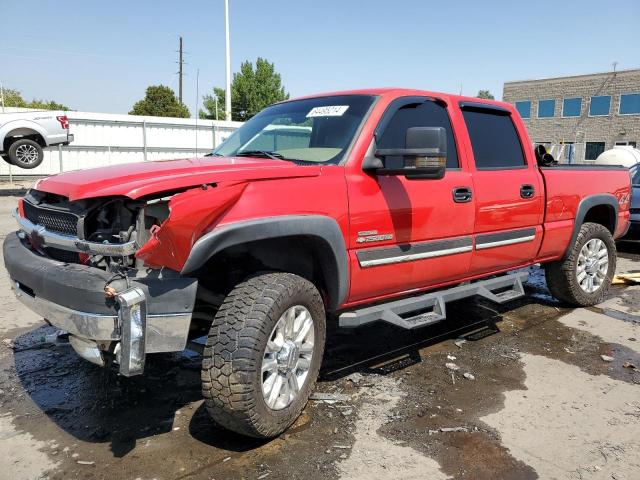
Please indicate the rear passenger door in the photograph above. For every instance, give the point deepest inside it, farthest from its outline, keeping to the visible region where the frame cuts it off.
(508, 190)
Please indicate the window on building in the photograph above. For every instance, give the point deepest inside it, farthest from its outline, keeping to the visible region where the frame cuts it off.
(593, 149)
(494, 140)
(600, 105)
(571, 107)
(626, 143)
(546, 108)
(419, 113)
(524, 108)
(629, 104)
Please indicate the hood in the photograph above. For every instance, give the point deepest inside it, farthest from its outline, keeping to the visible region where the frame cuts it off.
(135, 180)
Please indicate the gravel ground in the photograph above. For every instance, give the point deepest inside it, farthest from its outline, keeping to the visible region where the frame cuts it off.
(531, 398)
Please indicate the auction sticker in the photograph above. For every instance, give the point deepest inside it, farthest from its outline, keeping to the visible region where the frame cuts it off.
(328, 111)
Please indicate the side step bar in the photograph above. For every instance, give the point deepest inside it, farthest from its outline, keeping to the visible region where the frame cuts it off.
(429, 308)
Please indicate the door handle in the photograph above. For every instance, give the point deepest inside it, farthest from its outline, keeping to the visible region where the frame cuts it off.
(527, 191)
(462, 194)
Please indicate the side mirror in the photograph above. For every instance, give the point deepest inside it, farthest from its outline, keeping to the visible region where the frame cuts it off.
(424, 155)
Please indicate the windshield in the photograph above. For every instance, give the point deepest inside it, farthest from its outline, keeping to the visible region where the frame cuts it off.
(635, 175)
(310, 131)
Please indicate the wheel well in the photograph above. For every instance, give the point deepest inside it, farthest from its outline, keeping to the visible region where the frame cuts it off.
(20, 133)
(602, 214)
(307, 256)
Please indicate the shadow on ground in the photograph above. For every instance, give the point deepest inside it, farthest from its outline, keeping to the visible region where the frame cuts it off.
(96, 405)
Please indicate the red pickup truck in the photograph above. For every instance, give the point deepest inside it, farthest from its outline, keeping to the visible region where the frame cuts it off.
(359, 207)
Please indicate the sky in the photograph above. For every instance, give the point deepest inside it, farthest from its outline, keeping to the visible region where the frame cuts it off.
(100, 56)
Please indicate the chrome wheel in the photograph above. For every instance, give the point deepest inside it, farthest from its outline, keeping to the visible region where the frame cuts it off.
(287, 357)
(26, 154)
(593, 265)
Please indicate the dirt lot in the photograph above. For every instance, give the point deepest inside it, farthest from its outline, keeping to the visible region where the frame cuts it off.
(540, 401)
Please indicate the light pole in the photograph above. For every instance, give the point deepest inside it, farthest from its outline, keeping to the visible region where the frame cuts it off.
(227, 103)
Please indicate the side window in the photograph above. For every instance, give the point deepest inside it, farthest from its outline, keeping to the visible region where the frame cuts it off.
(422, 113)
(494, 139)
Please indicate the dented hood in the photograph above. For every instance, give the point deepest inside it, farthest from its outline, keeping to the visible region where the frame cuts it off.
(135, 180)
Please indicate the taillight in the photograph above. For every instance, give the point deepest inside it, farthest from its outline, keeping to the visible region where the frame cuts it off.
(64, 121)
(21, 208)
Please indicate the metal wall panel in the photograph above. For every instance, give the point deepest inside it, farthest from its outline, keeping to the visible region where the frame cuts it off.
(103, 139)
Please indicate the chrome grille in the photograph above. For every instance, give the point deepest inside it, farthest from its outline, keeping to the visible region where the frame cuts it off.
(52, 220)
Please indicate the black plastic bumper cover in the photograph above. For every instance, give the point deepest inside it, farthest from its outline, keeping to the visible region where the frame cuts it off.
(81, 288)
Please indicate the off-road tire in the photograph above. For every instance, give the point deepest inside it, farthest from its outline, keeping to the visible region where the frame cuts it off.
(232, 358)
(562, 278)
(15, 158)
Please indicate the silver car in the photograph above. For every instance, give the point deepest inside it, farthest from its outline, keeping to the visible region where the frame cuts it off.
(23, 135)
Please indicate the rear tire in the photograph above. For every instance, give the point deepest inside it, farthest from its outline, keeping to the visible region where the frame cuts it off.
(25, 153)
(248, 350)
(584, 276)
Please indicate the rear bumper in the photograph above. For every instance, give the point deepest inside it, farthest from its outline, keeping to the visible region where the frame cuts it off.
(72, 297)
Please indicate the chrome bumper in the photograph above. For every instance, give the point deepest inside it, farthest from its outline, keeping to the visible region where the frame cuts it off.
(48, 238)
(136, 332)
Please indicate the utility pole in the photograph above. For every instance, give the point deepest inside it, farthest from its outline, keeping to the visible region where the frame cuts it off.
(227, 106)
(181, 63)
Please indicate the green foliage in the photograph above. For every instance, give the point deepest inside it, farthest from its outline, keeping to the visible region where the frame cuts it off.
(209, 103)
(486, 94)
(13, 98)
(252, 90)
(160, 101)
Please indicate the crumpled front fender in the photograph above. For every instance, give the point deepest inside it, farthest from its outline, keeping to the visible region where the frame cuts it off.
(191, 214)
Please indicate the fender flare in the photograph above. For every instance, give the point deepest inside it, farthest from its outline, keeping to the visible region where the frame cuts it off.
(316, 226)
(18, 124)
(587, 204)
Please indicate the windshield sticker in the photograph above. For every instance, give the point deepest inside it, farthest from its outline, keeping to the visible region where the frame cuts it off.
(328, 111)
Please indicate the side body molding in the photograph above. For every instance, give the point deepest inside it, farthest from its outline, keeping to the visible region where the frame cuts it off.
(586, 204)
(320, 227)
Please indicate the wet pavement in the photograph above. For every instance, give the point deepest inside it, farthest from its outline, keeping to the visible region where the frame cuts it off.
(526, 395)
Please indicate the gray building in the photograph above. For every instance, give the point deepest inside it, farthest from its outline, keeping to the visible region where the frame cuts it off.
(580, 116)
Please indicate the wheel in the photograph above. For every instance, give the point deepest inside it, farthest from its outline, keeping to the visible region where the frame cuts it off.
(25, 153)
(584, 276)
(263, 354)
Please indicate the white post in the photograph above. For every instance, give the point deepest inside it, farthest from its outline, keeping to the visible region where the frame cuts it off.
(144, 139)
(2, 96)
(60, 157)
(227, 107)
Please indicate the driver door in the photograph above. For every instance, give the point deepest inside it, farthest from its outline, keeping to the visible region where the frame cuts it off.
(407, 235)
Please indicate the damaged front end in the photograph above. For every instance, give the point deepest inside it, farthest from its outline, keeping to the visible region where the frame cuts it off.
(75, 264)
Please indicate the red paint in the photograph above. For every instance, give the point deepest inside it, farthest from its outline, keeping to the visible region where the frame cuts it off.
(410, 210)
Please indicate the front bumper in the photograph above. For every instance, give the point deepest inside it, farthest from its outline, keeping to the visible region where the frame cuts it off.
(151, 311)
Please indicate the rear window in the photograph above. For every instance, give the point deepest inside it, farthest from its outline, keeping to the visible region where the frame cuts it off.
(494, 139)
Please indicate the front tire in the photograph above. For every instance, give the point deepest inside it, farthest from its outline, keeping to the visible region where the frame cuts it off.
(584, 276)
(263, 354)
(25, 153)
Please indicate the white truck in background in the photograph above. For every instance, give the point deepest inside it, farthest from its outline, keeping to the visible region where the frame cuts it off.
(23, 135)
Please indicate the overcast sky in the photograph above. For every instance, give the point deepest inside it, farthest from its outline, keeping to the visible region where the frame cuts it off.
(100, 56)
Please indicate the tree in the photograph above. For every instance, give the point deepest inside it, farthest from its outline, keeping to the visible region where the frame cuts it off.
(251, 91)
(486, 94)
(13, 98)
(210, 103)
(160, 101)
